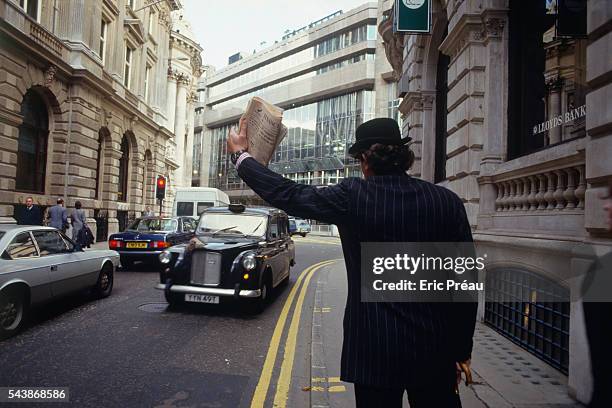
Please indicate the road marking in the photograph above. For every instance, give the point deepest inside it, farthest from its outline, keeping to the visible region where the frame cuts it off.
(284, 378)
(334, 379)
(317, 241)
(337, 388)
(259, 397)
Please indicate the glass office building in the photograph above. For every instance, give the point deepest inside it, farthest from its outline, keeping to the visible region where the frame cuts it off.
(329, 78)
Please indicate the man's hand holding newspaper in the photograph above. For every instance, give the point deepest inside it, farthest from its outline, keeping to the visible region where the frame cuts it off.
(260, 131)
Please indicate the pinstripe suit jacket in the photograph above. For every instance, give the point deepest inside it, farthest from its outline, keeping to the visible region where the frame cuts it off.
(385, 344)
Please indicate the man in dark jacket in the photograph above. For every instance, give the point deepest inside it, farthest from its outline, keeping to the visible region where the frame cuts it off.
(31, 214)
(389, 347)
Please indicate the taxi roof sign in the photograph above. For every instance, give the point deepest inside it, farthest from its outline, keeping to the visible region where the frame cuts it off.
(236, 208)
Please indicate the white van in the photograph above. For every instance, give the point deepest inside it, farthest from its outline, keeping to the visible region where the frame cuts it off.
(192, 201)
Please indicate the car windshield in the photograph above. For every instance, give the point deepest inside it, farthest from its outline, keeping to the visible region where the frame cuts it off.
(153, 224)
(223, 223)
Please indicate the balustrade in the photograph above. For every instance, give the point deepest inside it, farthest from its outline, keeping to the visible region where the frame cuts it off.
(554, 190)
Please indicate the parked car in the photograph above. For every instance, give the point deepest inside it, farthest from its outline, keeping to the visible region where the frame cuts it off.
(39, 264)
(147, 237)
(237, 253)
(302, 227)
(292, 226)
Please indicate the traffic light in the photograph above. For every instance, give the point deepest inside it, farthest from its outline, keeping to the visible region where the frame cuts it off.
(161, 187)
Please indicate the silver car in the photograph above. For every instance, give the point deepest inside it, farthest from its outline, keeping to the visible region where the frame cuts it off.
(38, 264)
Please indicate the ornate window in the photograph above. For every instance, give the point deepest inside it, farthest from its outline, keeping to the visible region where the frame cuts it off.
(124, 162)
(127, 66)
(32, 144)
(441, 116)
(32, 8)
(546, 73)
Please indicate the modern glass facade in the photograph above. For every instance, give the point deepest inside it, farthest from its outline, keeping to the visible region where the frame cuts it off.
(315, 150)
(324, 47)
(241, 100)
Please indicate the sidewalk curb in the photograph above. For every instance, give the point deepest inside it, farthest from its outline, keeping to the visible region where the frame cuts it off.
(320, 397)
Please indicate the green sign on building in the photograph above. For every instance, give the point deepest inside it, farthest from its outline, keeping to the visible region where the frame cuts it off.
(412, 16)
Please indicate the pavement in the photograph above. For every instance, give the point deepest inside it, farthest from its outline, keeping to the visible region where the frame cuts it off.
(505, 375)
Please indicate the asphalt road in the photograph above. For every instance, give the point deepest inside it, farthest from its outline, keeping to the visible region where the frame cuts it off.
(129, 350)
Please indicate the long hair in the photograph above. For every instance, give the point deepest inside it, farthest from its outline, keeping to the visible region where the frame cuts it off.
(387, 159)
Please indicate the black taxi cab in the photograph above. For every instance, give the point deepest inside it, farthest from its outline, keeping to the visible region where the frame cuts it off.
(238, 252)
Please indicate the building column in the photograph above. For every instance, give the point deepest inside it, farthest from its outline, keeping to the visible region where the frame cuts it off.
(171, 100)
(188, 174)
(179, 130)
(554, 86)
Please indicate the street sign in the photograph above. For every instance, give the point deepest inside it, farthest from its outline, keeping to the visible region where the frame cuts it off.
(412, 16)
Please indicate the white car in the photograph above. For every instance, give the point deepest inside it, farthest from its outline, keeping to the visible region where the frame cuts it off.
(38, 264)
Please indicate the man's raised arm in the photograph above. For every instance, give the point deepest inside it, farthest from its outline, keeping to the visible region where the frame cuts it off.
(327, 204)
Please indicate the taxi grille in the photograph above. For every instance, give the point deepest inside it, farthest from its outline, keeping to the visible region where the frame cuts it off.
(206, 268)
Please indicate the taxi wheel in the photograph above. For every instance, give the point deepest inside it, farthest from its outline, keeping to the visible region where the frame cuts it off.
(174, 299)
(104, 286)
(13, 311)
(259, 304)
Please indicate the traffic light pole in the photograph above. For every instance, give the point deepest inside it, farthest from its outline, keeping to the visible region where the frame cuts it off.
(161, 206)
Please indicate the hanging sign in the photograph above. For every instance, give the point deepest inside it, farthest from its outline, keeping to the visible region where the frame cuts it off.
(412, 16)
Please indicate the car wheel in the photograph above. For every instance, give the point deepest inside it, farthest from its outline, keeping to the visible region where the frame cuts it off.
(303, 234)
(258, 304)
(104, 286)
(13, 312)
(174, 299)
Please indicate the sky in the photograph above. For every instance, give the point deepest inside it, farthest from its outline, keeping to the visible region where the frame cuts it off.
(225, 27)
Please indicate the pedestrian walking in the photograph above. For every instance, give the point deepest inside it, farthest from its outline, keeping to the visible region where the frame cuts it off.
(392, 347)
(597, 311)
(57, 216)
(78, 220)
(31, 215)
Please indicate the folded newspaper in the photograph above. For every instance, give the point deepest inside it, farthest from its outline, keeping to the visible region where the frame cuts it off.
(265, 130)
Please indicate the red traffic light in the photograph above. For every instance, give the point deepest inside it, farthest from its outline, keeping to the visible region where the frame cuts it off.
(161, 187)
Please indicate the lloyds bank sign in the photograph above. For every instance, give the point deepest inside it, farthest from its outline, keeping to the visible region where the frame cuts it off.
(412, 16)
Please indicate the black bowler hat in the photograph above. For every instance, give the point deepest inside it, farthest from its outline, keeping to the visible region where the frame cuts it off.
(380, 130)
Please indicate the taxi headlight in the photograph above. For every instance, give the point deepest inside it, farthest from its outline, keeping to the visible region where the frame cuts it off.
(249, 262)
(165, 257)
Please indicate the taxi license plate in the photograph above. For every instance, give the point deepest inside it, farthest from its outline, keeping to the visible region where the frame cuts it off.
(201, 298)
(136, 244)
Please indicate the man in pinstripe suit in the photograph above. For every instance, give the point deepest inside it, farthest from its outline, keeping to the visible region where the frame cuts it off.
(388, 348)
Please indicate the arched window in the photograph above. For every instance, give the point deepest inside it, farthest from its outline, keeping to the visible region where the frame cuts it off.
(103, 136)
(124, 162)
(32, 144)
(441, 115)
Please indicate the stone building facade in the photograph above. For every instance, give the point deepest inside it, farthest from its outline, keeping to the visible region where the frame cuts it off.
(511, 109)
(89, 107)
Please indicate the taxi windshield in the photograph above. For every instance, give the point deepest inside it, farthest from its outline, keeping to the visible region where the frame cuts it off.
(223, 223)
(153, 224)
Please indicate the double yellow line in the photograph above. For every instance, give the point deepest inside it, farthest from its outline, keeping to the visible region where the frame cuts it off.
(282, 388)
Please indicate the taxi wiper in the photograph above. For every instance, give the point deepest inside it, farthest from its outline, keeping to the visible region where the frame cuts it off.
(255, 229)
(225, 229)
